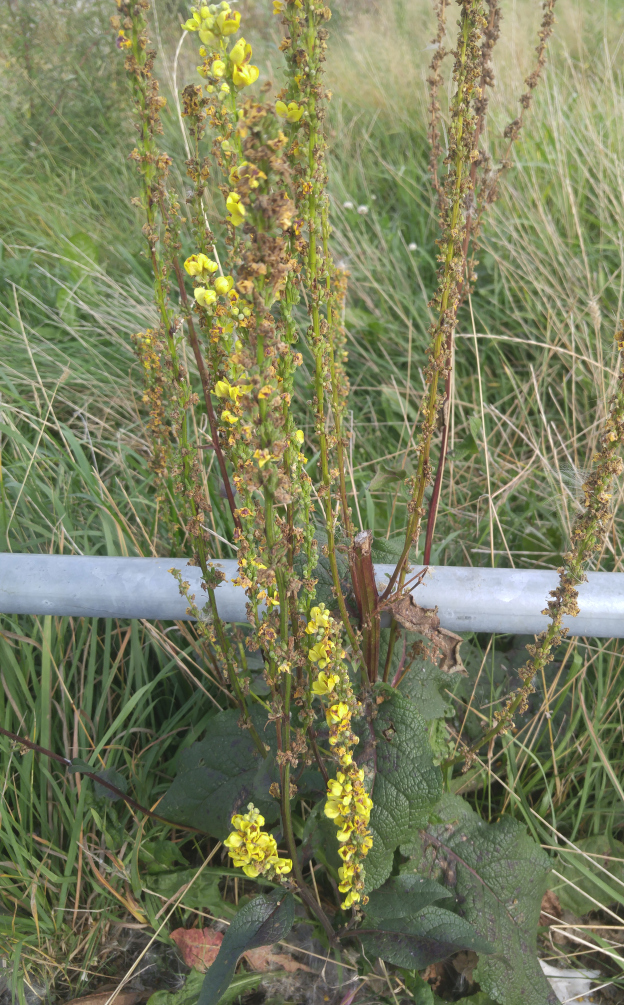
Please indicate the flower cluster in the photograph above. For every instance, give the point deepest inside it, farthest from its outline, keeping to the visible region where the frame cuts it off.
(200, 267)
(349, 806)
(215, 24)
(252, 848)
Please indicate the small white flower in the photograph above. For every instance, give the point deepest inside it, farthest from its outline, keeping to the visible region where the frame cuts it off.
(362, 210)
(347, 205)
(412, 246)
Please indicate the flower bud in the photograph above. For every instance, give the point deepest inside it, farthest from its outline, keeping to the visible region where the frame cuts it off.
(204, 297)
(223, 285)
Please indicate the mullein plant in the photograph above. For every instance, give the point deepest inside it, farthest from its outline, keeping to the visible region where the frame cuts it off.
(330, 700)
(238, 317)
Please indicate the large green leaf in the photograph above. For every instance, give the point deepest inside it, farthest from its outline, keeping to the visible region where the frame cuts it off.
(263, 921)
(498, 875)
(423, 682)
(403, 926)
(406, 786)
(219, 776)
(404, 896)
(414, 942)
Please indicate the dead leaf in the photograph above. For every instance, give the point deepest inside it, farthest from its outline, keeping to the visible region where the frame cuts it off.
(199, 946)
(444, 644)
(449, 643)
(551, 911)
(415, 618)
(101, 997)
(434, 975)
(263, 959)
(465, 962)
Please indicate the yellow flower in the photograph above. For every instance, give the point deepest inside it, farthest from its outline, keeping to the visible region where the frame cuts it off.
(291, 111)
(338, 714)
(299, 436)
(249, 172)
(229, 416)
(346, 873)
(282, 866)
(223, 285)
(262, 456)
(223, 389)
(228, 21)
(320, 616)
(278, 7)
(351, 898)
(193, 22)
(218, 68)
(206, 28)
(318, 654)
(245, 75)
(235, 208)
(200, 265)
(345, 831)
(204, 297)
(347, 851)
(239, 51)
(325, 683)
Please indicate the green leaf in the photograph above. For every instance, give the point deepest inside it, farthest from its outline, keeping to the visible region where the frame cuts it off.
(419, 989)
(403, 927)
(113, 778)
(498, 875)
(476, 426)
(433, 934)
(385, 476)
(160, 856)
(406, 786)
(188, 995)
(403, 896)
(423, 682)
(581, 871)
(320, 841)
(78, 765)
(203, 895)
(219, 775)
(262, 922)
(465, 449)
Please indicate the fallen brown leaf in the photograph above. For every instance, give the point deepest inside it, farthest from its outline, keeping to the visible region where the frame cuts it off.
(263, 959)
(101, 997)
(424, 620)
(415, 618)
(550, 910)
(199, 946)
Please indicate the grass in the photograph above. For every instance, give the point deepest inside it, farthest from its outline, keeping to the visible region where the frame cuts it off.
(533, 372)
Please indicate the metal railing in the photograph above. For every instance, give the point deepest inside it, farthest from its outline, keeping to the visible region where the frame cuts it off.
(468, 599)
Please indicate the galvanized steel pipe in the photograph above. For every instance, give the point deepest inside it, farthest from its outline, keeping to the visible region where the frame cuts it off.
(468, 599)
